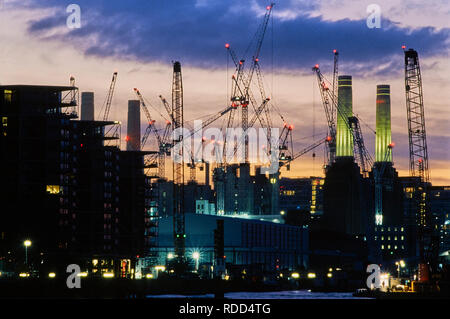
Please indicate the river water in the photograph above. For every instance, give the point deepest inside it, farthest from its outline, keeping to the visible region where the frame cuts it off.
(291, 294)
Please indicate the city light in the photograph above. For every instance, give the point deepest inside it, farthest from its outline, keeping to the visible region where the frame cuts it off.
(149, 276)
(311, 275)
(108, 275)
(329, 275)
(27, 243)
(196, 255)
(52, 275)
(82, 274)
(295, 275)
(170, 256)
(24, 275)
(160, 268)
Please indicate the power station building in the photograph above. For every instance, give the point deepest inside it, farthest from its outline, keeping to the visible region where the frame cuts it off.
(346, 206)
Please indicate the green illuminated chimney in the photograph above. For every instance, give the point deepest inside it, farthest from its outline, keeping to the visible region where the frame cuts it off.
(383, 137)
(344, 139)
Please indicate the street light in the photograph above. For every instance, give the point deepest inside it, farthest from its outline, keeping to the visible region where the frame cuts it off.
(399, 264)
(26, 243)
(196, 256)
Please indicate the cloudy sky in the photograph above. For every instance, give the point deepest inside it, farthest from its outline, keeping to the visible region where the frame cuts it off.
(139, 39)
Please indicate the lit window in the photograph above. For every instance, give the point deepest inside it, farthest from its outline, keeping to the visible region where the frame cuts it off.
(8, 96)
(53, 189)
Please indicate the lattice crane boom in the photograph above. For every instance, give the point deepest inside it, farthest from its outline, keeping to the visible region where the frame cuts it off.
(327, 102)
(418, 163)
(110, 96)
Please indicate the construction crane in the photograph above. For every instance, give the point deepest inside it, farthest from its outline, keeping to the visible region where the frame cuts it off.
(331, 102)
(418, 161)
(303, 152)
(109, 96)
(241, 93)
(328, 101)
(178, 165)
(163, 141)
(335, 80)
(286, 153)
(364, 159)
(378, 177)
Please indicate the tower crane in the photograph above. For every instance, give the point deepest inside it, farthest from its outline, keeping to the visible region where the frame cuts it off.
(241, 93)
(109, 96)
(331, 102)
(335, 80)
(328, 100)
(163, 141)
(178, 165)
(303, 151)
(364, 158)
(418, 161)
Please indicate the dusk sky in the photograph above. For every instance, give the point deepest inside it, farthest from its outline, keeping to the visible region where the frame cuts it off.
(139, 39)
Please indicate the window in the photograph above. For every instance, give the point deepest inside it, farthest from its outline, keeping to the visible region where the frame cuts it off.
(7, 96)
(53, 189)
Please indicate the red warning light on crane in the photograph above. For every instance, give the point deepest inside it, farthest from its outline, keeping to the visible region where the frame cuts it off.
(127, 138)
(291, 127)
(269, 7)
(335, 51)
(227, 45)
(403, 47)
(329, 138)
(316, 66)
(391, 145)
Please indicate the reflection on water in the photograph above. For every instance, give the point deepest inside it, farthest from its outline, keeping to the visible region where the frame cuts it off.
(292, 294)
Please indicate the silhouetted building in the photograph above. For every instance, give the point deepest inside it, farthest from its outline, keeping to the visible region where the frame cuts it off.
(249, 243)
(440, 208)
(70, 190)
(346, 203)
(302, 194)
(37, 169)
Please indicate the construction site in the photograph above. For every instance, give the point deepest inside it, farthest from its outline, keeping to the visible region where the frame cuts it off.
(184, 200)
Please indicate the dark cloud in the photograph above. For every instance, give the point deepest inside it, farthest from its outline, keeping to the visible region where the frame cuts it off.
(195, 32)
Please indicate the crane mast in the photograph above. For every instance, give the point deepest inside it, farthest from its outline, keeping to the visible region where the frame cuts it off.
(418, 159)
(178, 165)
